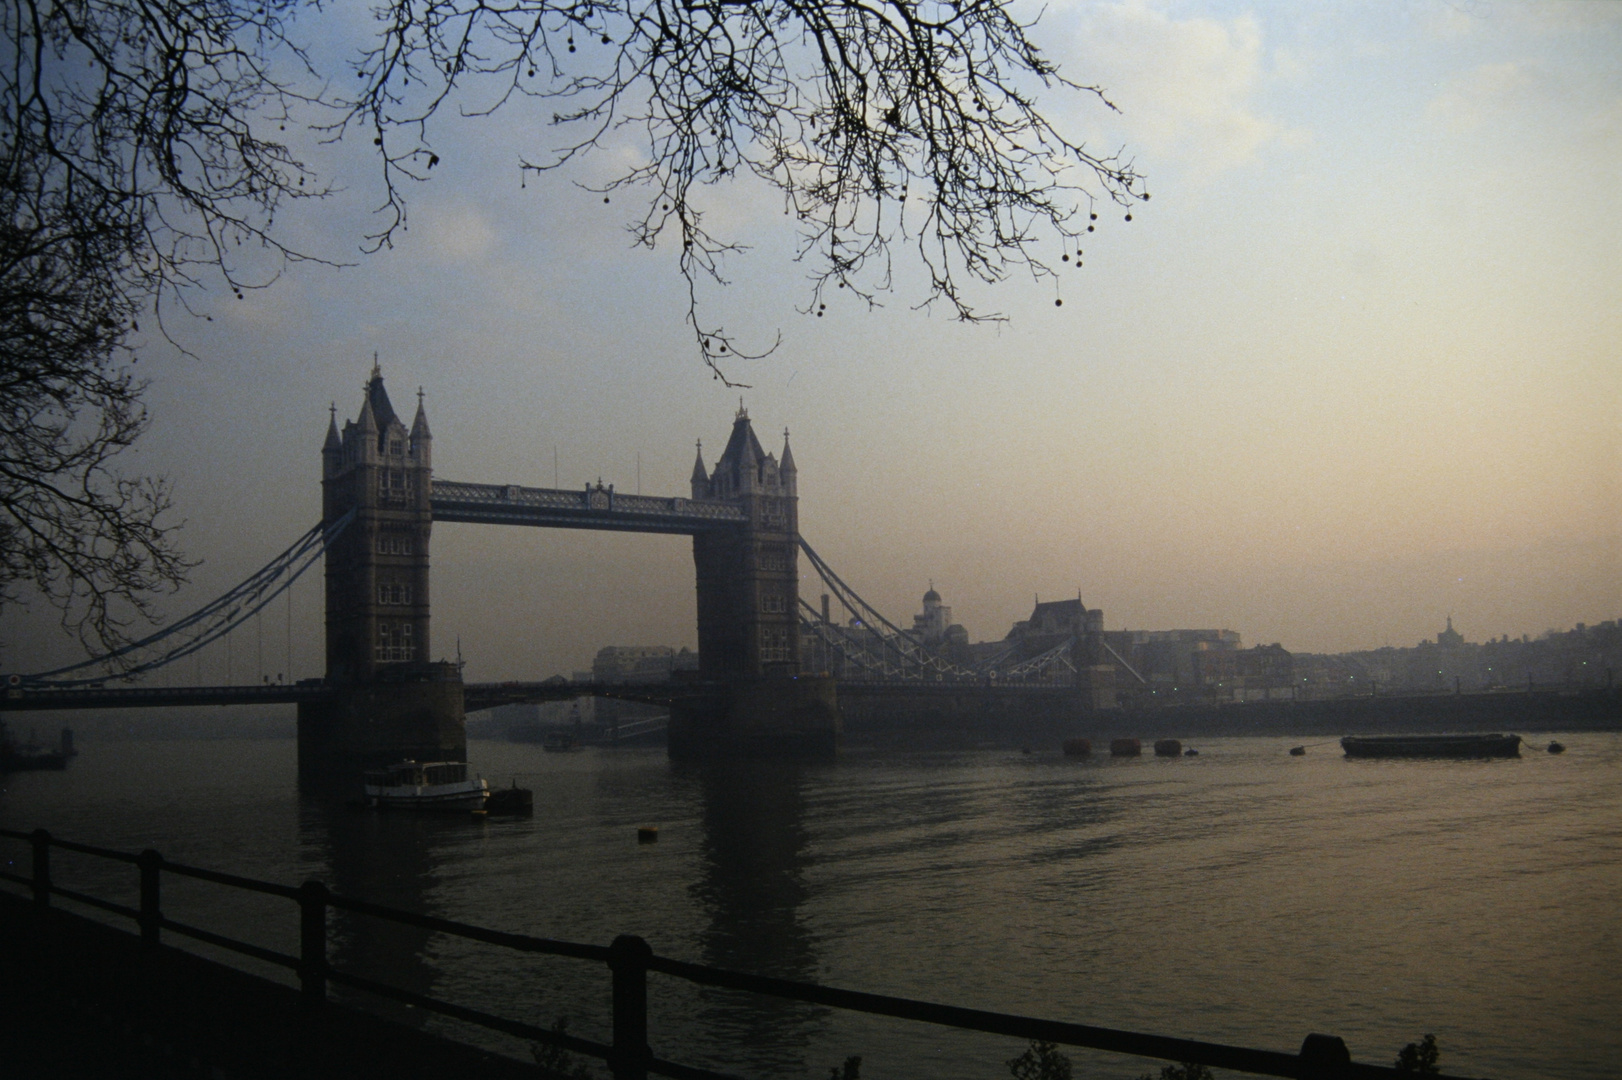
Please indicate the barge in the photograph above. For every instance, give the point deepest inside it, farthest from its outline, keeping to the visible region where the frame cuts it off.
(1431, 746)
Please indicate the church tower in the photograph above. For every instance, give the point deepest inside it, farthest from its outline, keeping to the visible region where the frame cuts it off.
(377, 569)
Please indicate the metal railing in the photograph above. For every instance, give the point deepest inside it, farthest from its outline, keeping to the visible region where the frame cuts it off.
(629, 960)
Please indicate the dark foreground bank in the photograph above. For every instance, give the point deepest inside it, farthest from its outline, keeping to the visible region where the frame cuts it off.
(82, 1000)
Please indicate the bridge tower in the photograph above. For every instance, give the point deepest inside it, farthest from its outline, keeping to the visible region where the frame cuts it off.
(748, 579)
(748, 615)
(390, 701)
(377, 570)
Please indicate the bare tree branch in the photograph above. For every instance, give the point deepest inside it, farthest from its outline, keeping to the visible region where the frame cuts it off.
(883, 124)
(140, 153)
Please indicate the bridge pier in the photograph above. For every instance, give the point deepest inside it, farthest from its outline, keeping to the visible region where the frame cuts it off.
(767, 716)
(417, 714)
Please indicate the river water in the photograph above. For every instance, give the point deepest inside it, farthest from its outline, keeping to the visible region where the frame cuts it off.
(1241, 896)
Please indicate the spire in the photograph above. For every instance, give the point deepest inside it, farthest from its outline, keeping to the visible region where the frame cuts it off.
(382, 410)
(333, 444)
(788, 456)
(419, 426)
(699, 475)
(368, 418)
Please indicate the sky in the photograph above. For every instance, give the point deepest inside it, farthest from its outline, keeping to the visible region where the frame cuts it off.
(1355, 369)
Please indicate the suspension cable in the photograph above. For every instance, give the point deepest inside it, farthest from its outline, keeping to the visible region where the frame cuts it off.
(218, 617)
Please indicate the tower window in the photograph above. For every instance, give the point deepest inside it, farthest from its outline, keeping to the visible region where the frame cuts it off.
(774, 644)
(394, 642)
(393, 592)
(393, 544)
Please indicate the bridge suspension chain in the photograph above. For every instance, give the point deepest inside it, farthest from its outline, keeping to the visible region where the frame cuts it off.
(210, 622)
(911, 658)
(877, 648)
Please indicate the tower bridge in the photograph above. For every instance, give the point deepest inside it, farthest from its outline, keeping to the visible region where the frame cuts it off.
(389, 697)
(767, 660)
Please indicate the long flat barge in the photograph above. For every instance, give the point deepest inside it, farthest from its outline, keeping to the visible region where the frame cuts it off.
(1431, 746)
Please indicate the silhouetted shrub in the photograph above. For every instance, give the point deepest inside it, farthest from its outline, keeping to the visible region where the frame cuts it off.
(1040, 1061)
(1188, 1070)
(1420, 1058)
(555, 1060)
(852, 1069)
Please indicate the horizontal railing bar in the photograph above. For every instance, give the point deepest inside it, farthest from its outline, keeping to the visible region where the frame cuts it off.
(1264, 1062)
(269, 887)
(95, 902)
(473, 1016)
(100, 852)
(13, 834)
(519, 942)
(7, 875)
(208, 937)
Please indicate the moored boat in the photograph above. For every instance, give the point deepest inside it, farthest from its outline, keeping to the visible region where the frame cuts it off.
(1431, 746)
(430, 785)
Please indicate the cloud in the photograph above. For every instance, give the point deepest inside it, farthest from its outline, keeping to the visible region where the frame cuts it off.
(1471, 99)
(1184, 85)
(452, 233)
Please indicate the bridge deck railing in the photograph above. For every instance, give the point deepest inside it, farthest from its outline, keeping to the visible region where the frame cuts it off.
(629, 960)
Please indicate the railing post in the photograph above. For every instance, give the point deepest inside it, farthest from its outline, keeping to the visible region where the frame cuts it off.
(42, 869)
(312, 902)
(151, 864)
(1323, 1057)
(628, 960)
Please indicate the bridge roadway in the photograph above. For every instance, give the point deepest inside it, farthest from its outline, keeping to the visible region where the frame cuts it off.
(477, 696)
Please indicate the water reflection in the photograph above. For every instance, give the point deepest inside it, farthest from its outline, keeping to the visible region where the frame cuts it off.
(751, 888)
(390, 859)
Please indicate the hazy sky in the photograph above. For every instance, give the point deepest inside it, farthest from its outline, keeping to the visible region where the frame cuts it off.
(1357, 366)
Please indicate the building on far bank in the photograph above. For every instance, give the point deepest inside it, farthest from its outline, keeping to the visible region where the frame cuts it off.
(934, 627)
(640, 663)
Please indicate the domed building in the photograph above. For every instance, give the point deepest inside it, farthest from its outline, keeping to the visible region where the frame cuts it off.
(934, 627)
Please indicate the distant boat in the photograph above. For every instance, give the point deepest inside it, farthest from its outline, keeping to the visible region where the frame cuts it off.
(28, 756)
(430, 785)
(1431, 746)
(1298, 751)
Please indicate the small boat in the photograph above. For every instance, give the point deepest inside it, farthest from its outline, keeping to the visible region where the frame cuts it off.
(1298, 751)
(1556, 747)
(1431, 746)
(511, 800)
(429, 785)
(1191, 752)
